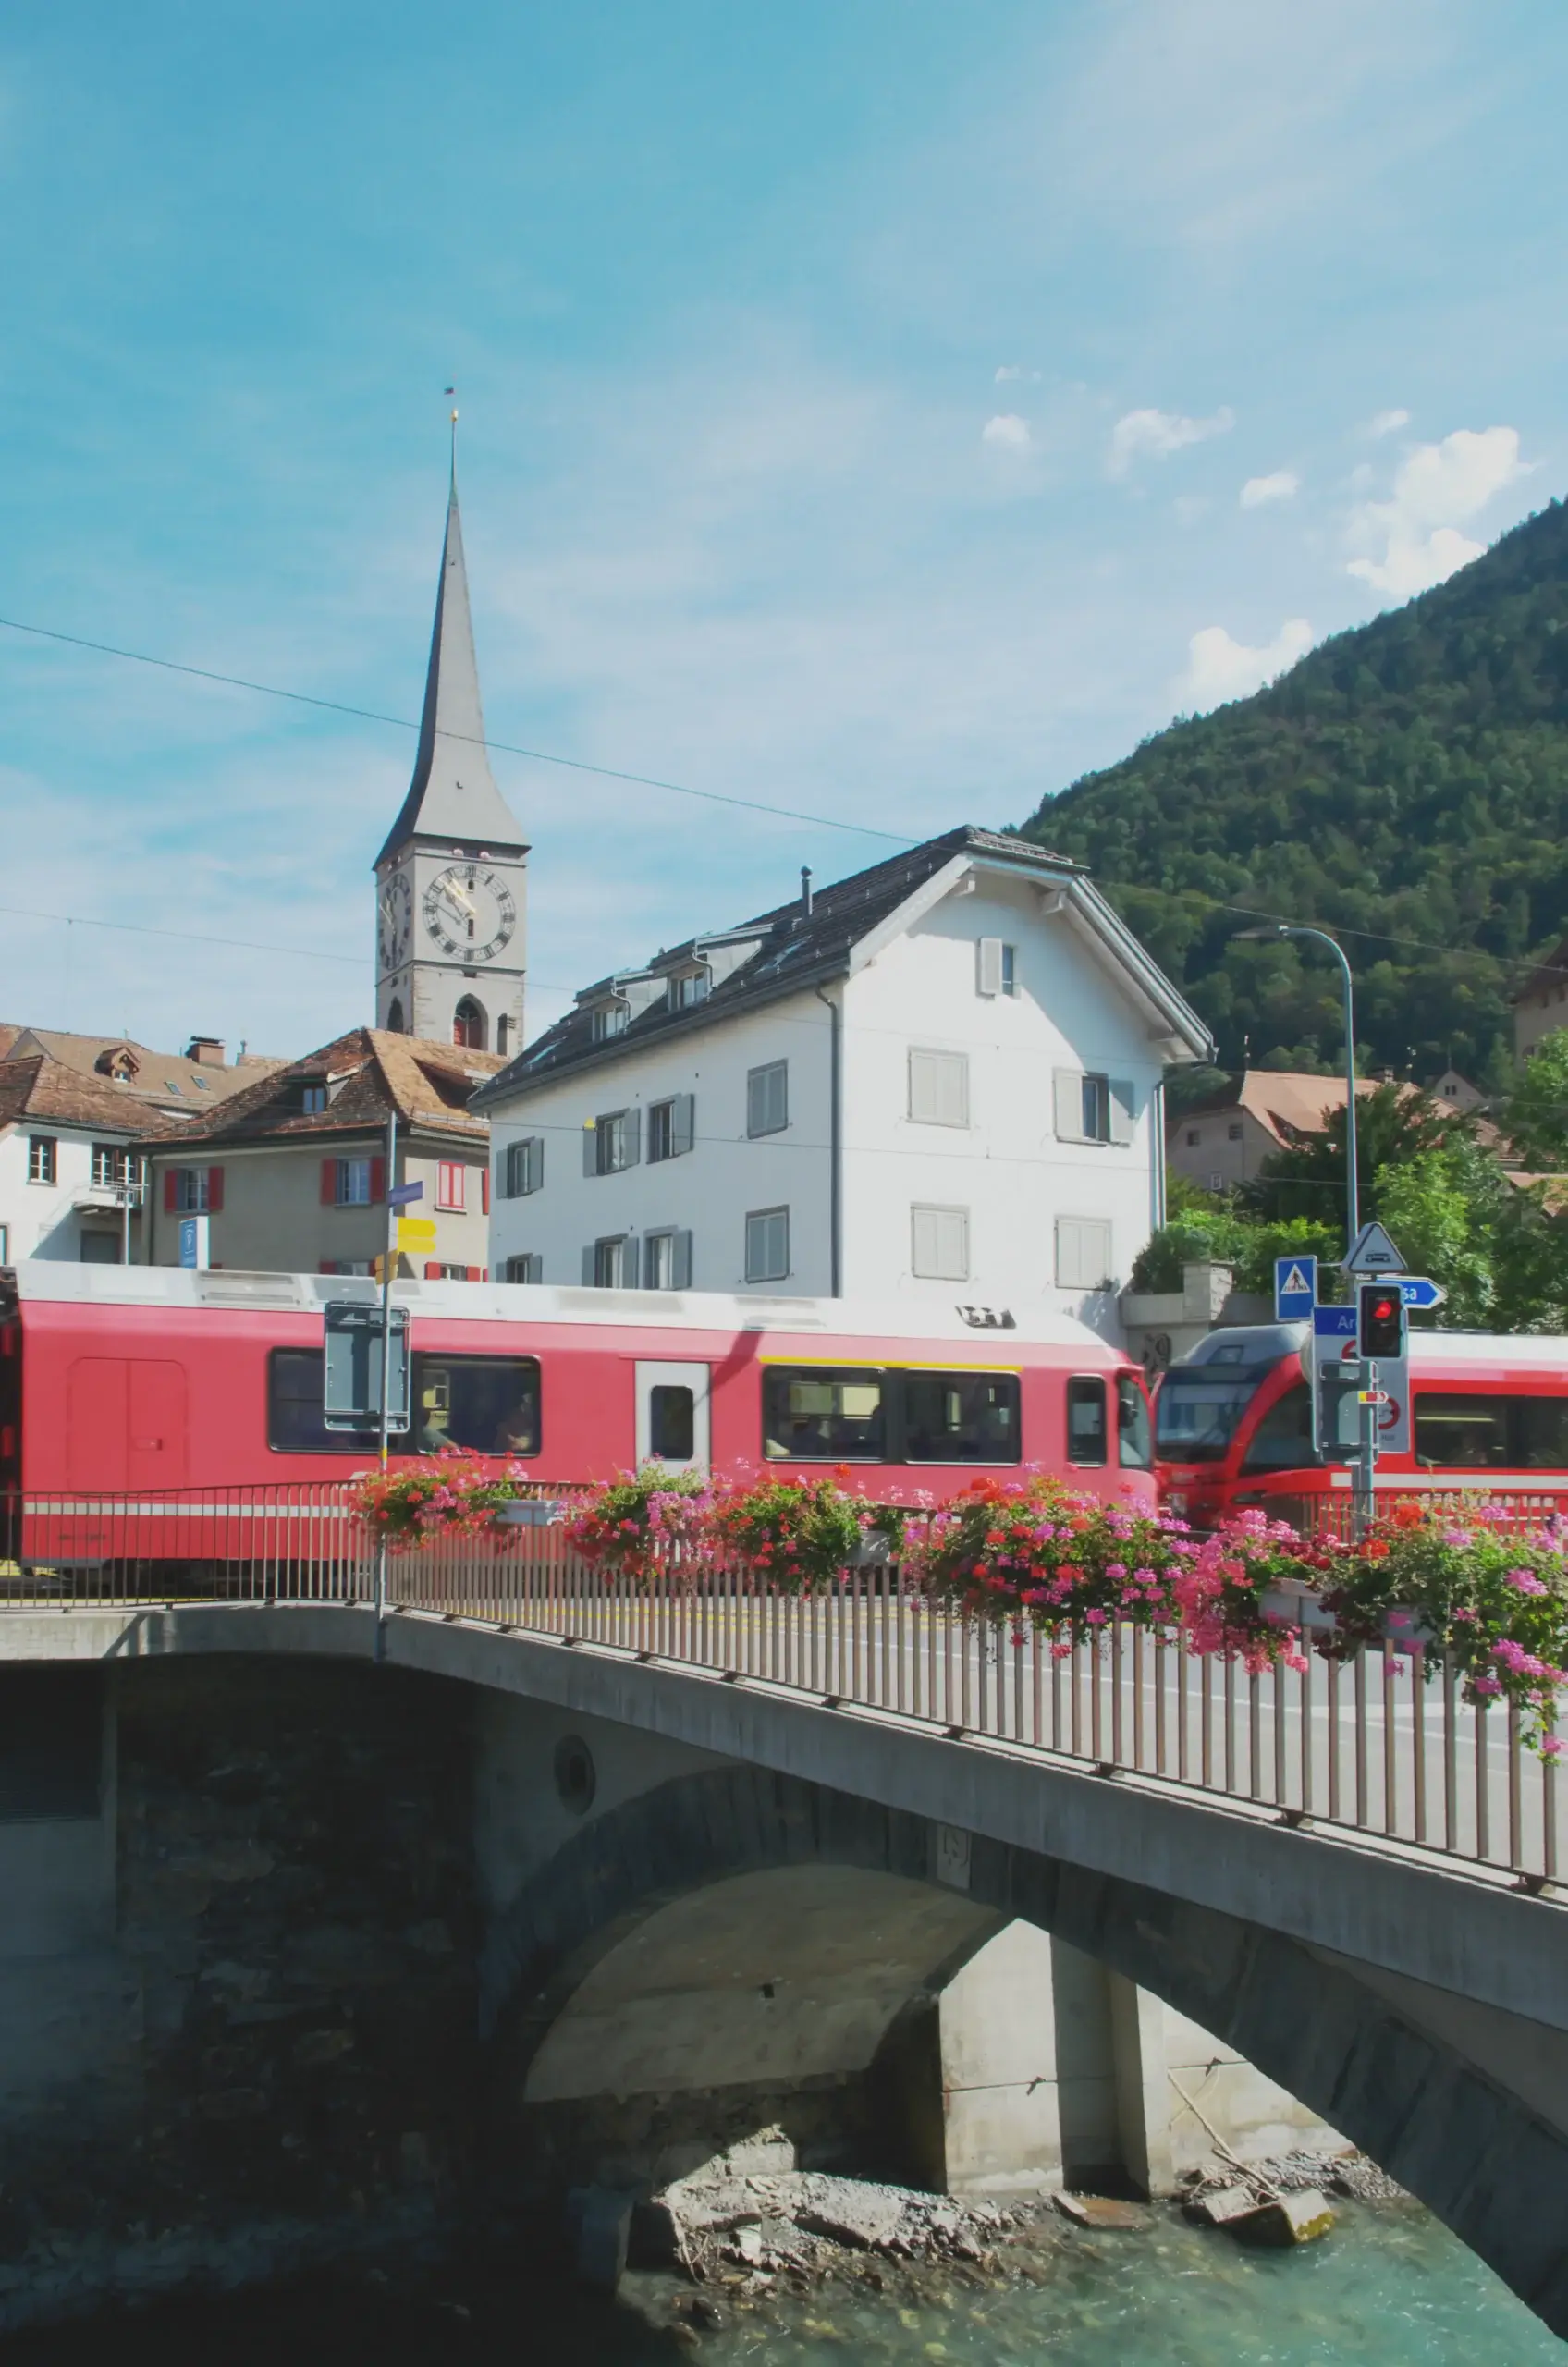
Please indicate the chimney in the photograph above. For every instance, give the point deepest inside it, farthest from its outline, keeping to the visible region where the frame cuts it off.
(806, 892)
(205, 1050)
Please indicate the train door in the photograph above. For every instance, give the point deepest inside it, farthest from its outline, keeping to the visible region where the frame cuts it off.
(125, 1423)
(673, 1415)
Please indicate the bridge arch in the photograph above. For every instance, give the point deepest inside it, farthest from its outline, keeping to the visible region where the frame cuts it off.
(1340, 2038)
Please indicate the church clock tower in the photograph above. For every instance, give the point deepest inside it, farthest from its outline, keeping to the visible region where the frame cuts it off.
(451, 884)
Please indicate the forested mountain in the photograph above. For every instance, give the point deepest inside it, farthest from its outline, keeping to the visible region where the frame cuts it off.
(1405, 784)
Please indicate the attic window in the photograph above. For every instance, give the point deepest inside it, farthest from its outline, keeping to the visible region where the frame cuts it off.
(117, 1063)
(312, 1099)
(174, 1085)
(689, 988)
(201, 1084)
(610, 1019)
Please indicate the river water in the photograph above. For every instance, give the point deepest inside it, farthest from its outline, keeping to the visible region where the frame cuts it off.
(1390, 2286)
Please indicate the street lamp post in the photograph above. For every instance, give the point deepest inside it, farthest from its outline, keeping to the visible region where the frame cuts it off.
(1279, 929)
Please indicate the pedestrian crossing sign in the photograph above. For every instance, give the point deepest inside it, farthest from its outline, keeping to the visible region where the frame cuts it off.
(1295, 1289)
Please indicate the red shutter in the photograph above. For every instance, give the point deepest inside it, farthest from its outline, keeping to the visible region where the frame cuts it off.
(432, 1271)
(329, 1182)
(328, 1266)
(214, 1190)
(484, 1273)
(476, 1274)
(484, 1191)
(377, 1182)
(171, 1191)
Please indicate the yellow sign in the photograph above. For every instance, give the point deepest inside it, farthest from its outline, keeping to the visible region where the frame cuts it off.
(416, 1233)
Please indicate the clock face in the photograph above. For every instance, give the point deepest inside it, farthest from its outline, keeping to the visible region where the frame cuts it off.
(469, 912)
(397, 921)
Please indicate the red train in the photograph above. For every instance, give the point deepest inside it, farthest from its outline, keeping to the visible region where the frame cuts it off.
(127, 1379)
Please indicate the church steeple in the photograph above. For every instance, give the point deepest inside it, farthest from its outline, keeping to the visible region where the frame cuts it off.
(453, 792)
(451, 880)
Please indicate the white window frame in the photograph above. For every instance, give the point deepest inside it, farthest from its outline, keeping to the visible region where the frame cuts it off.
(42, 1158)
(532, 1263)
(352, 1187)
(522, 1166)
(768, 1099)
(192, 1193)
(766, 1227)
(610, 1019)
(1113, 1100)
(938, 1086)
(938, 1246)
(617, 1251)
(667, 1259)
(672, 1127)
(995, 966)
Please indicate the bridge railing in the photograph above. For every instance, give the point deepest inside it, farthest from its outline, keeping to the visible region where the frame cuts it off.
(1383, 1745)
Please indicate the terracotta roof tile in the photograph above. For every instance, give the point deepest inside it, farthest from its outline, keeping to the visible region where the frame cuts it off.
(368, 1071)
(45, 1091)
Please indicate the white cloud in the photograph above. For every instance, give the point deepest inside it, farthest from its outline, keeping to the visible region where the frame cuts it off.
(1011, 370)
(1283, 485)
(1386, 421)
(1155, 434)
(1412, 541)
(1220, 668)
(1008, 433)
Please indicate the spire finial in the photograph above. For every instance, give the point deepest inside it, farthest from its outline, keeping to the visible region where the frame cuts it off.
(452, 391)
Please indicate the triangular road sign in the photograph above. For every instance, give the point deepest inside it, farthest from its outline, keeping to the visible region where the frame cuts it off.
(1295, 1285)
(1372, 1252)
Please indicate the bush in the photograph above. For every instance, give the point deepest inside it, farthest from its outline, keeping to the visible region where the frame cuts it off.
(451, 1494)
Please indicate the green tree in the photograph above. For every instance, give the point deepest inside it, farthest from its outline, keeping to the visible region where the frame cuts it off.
(1530, 1262)
(1534, 1115)
(1442, 1208)
(1305, 1179)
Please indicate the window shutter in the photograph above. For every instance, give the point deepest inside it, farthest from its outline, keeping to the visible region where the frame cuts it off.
(632, 1137)
(629, 1263)
(682, 1126)
(476, 1274)
(328, 1266)
(328, 1183)
(432, 1270)
(990, 965)
(1122, 1109)
(588, 1262)
(1068, 1092)
(377, 1182)
(171, 1191)
(681, 1259)
(590, 1150)
(214, 1190)
(534, 1164)
(484, 1192)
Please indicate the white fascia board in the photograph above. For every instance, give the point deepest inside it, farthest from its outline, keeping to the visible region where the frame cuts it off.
(902, 918)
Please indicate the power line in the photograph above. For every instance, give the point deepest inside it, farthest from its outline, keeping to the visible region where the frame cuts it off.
(470, 738)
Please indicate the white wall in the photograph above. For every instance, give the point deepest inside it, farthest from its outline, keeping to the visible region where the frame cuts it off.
(1007, 1167)
(41, 1219)
(709, 1189)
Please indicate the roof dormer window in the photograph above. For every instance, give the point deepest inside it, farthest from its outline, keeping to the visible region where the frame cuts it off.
(687, 988)
(117, 1061)
(610, 1019)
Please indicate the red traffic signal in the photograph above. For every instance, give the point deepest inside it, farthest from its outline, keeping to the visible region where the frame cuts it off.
(1379, 1320)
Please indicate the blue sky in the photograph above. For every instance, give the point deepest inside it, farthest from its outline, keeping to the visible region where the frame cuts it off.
(884, 409)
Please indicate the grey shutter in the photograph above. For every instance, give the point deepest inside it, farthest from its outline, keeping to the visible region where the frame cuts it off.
(989, 952)
(632, 1137)
(680, 1261)
(629, 1263)
(589, 1261)
(682, 1129)
(590, 1147)
(535, 1179)
(1068, 1086)
(756, 1121)
(1122, 1109)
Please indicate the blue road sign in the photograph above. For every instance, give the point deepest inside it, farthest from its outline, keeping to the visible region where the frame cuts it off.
(1296, 1288)
(401, 1194)
(1334, 1322)
(1418, 1290)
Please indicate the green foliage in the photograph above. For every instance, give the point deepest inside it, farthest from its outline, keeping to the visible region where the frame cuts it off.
(1306, 1179)
(1441, 1210)
(1405, 785)
(1535, 1114)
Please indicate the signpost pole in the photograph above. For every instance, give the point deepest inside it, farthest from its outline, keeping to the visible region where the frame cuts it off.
(1365, 1501)
(389, 1260)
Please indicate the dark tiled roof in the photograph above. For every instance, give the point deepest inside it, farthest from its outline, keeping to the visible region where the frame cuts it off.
(794, 949)
(45, 1091)
(1547, 974)
(370, 1071)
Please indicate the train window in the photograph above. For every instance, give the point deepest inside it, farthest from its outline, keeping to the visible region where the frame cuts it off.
(1541, 1426)
(1134, 1445)
(822, 1414)
(489, 1404)
(1085, 1421)
(1197, 1411)
(1462, 1433)
(1506, 1433)
(961, 1418)
(294, 1415)
(672, 1422)
(1283, 1440)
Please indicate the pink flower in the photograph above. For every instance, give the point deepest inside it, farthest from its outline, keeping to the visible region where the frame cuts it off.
(1526, 1582)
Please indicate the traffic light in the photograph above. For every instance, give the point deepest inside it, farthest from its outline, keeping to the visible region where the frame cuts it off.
(1380, 1321)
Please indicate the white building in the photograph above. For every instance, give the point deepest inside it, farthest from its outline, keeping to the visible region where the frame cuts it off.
(939, 1078)
(70, 1168)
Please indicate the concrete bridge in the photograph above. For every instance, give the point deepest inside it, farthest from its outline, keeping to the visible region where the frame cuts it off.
(312, 1910)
